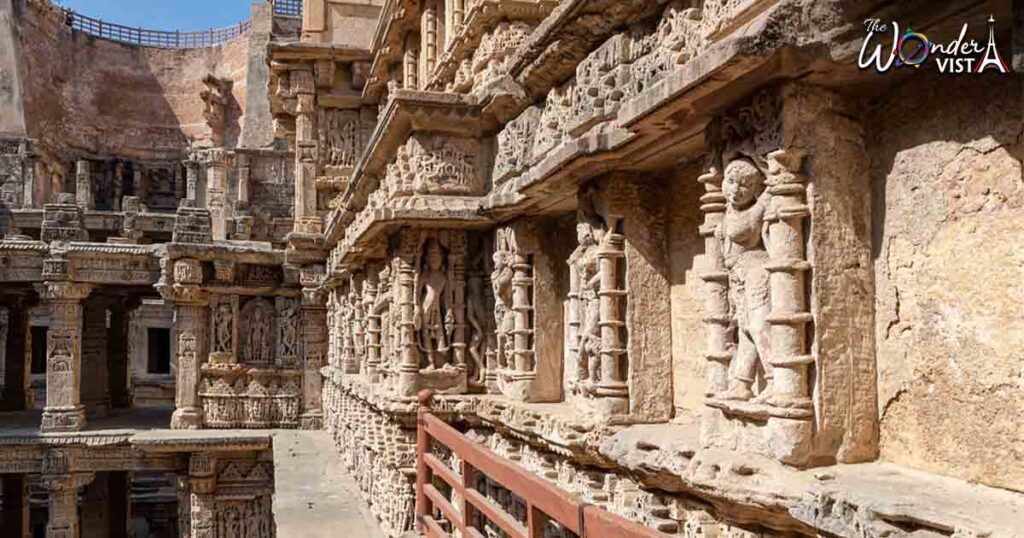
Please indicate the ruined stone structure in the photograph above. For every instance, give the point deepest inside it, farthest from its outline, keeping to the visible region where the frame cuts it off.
(684, 259)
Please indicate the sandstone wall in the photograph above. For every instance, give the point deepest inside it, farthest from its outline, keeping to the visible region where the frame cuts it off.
(949, 262)
(100, 97)
(686, 248)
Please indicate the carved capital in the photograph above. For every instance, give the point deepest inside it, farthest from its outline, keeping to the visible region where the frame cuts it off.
(188, 271)
(64, 291)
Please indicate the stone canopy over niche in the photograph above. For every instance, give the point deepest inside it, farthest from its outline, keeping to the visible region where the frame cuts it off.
(775, 385)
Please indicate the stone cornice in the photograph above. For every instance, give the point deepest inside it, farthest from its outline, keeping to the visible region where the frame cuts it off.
(302, 51)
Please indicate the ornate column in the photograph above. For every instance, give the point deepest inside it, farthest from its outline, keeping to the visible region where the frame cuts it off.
(457, 258)
(191, 180)
(612, 389)
(314, 343)
(428, 37)
(409, 367)
(83, 184)
(358, 319)
(61, 480)
(522, 306)
(306, 220)
(202, 483)
(190, 307)
(95, 376)
(373, 326)
(64, 410)
(716, 279)
(216, 161)
(788, 267)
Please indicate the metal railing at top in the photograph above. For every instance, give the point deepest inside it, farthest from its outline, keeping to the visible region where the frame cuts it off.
(154, 38)
(470, 511)
(288, 8)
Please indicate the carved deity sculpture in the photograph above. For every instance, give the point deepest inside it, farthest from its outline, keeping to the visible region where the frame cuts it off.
(258, 323)
(435, 317)
(382, 307)
(504, 317)
(743, 234)
(476, 314)
(585, 282)
(222, 328)
(289, 316)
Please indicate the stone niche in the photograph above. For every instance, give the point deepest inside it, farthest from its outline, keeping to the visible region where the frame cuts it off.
(790, 375)
(524, 363)
(253, 378)
(617, 309)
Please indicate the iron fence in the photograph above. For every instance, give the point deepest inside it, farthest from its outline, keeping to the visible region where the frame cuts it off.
(288, 8)
(154, 38)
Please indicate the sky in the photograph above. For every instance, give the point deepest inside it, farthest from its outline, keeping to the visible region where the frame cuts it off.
(164, 14)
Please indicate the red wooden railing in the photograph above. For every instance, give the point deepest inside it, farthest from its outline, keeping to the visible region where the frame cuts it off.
(154, 38)
(437, 515)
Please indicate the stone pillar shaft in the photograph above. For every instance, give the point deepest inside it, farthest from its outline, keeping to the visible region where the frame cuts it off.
(314, 349)
(83, 185)
(190, 330)
(716, 279)
(613, 385)
(64, 410)
(373, 325)
(63, 521)
(428, 35)
(202, 497)
(522, 305)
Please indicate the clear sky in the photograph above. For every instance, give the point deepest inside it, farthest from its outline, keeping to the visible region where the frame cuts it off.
(164, 14)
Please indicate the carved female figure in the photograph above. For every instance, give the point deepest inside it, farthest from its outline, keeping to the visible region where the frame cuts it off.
(501, 282)
(744, 238)
(590, 230)
(259, 332)
(222, 327)
(434, 318)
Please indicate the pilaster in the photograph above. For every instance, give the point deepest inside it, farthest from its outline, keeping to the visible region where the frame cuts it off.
(64, 410)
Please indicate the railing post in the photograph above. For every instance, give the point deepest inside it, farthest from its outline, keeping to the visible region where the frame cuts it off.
(423, 474)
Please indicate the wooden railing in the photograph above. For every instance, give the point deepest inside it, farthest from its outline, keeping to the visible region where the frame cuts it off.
(154, 38)
(288, 8)
(468, 510)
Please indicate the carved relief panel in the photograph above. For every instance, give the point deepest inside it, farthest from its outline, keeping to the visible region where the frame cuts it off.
(223, 329)
(256, 330)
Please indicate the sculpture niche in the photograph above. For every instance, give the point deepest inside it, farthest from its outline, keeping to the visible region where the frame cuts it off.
(744, 236)
(435, 316)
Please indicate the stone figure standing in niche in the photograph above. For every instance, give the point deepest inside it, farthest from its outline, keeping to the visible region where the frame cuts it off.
(289, 330)
(475, 314)
(222, 326)
(501, 282)
(590, 231)
(259, 331)
(743, 233)
(434, 320)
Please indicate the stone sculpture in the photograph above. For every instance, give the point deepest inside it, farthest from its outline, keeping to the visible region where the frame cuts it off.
(435, 316)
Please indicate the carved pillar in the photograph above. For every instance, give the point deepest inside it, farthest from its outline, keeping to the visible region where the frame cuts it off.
(358, 319)
(244, 174)
(141, 187)
(612, 387)
(410, 63)
(306, 219)
(428, 35)
(409, 367)
(314, 342)
(216, 190)
(191, 180)
(458, 17)
(61, 480)
(190, 331)
(349, 361)
(83, 184)
(117, 186)
(458, 261)
(522, 306)
(787, 268)
(716, 279)
(64, 410)
(202, 470)
(95, 391)
(373, 327)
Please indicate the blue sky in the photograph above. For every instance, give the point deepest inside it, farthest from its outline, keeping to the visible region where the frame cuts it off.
(164, 14)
